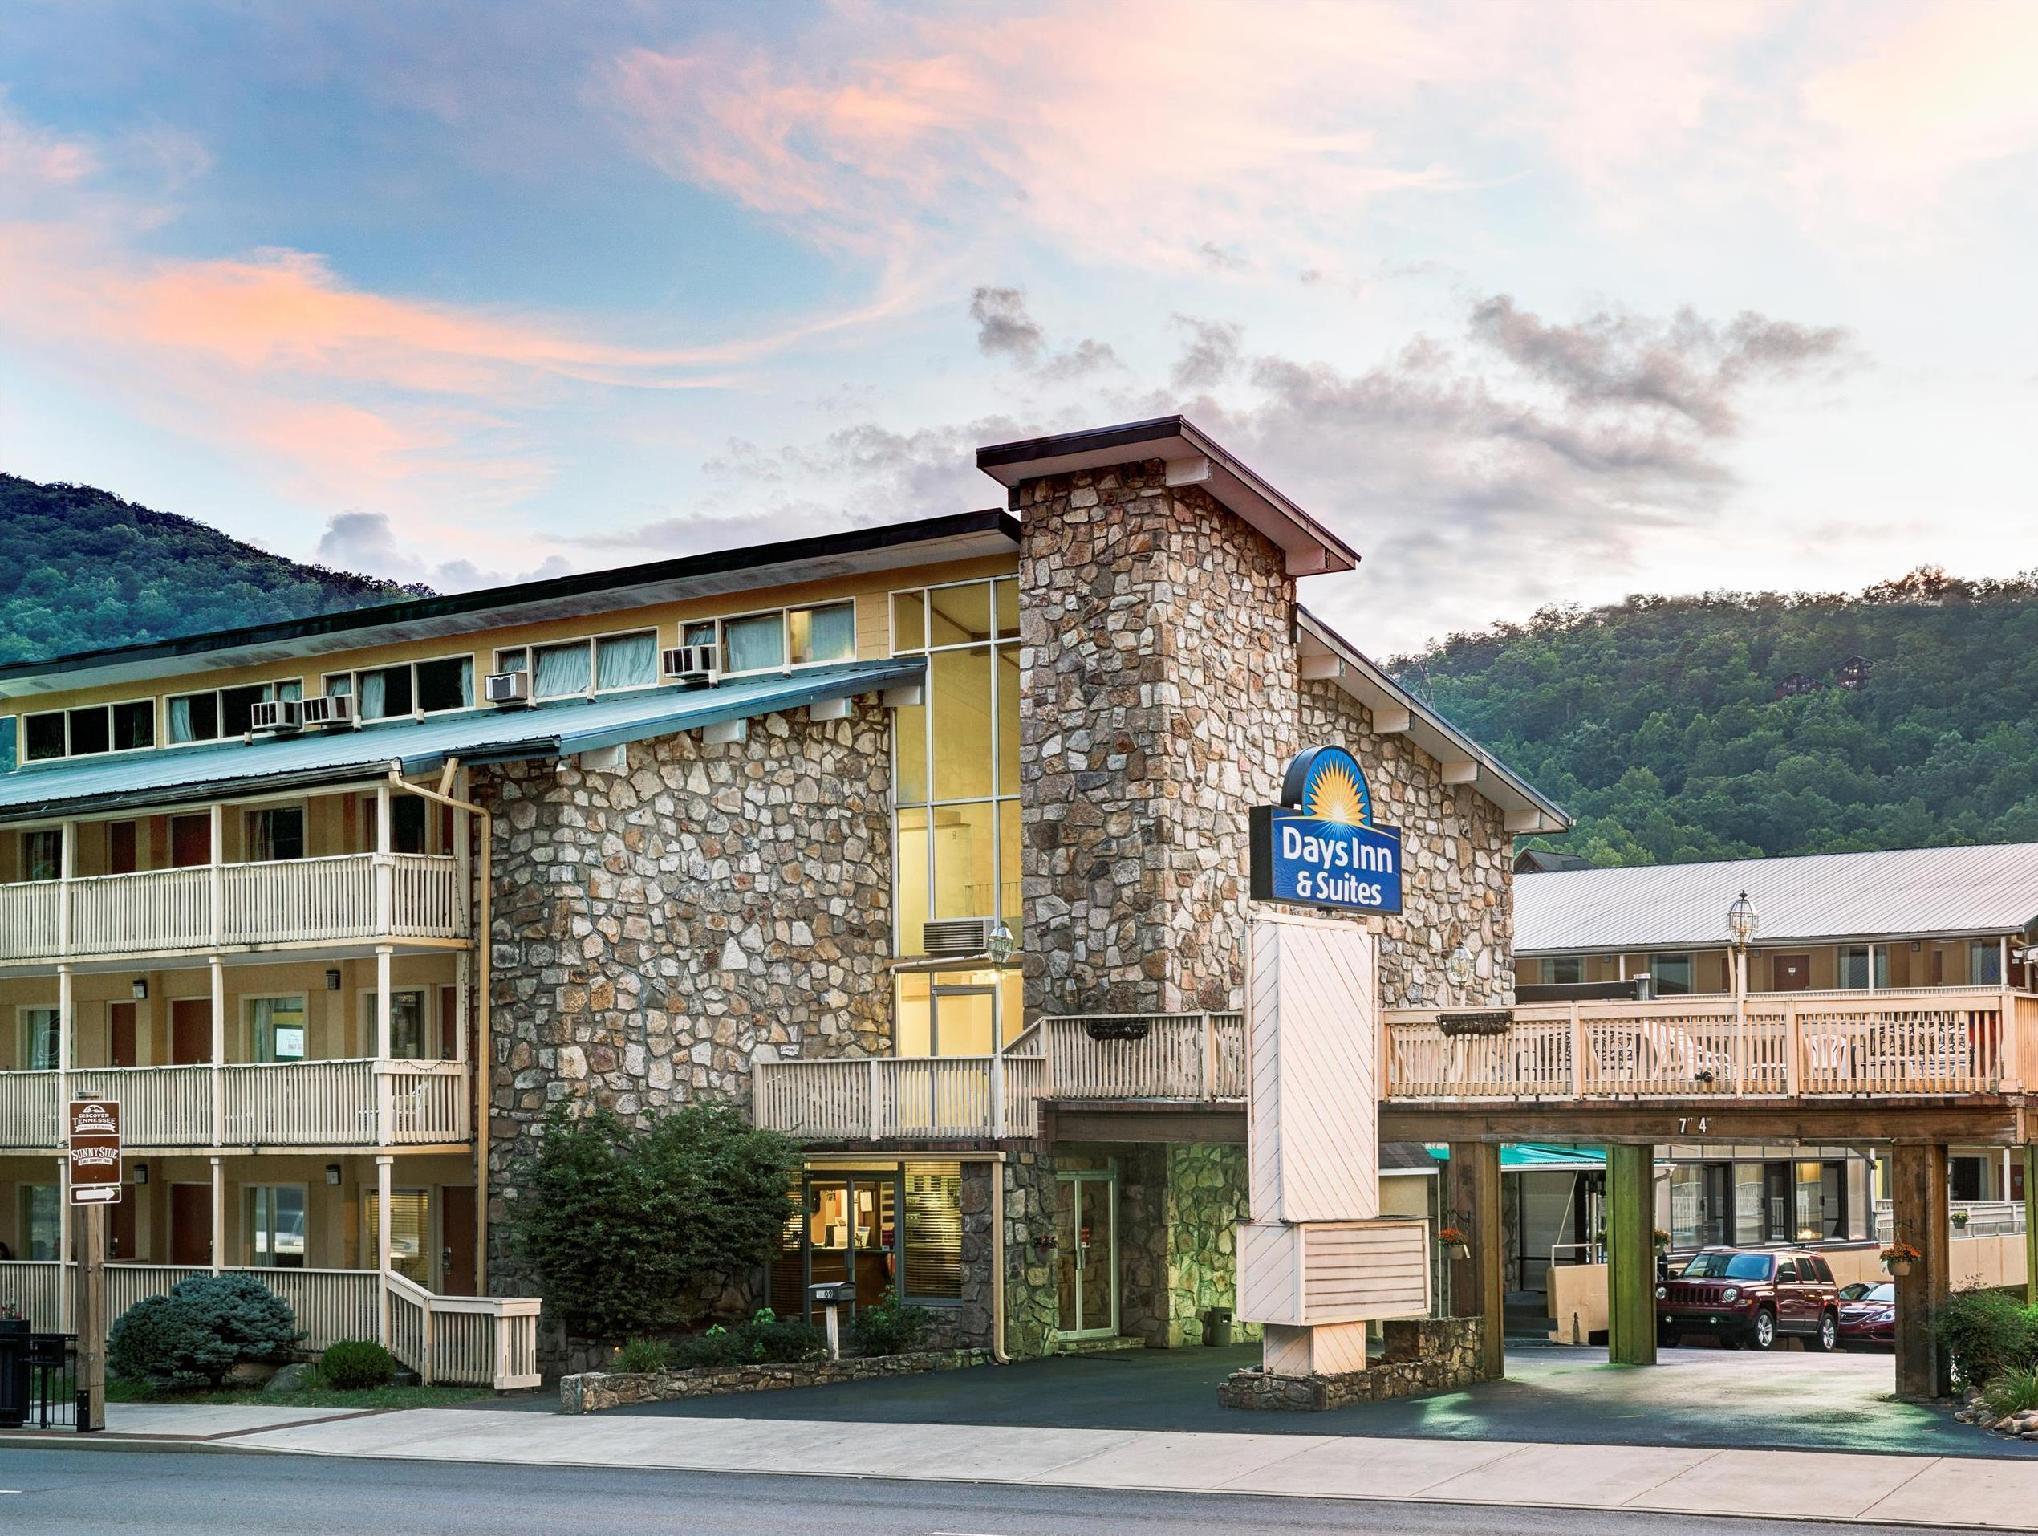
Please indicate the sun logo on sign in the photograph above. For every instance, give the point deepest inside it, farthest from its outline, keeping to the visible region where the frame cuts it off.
(1334, 795)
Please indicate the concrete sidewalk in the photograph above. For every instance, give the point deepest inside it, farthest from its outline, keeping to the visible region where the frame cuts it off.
(1823, 1485)
(192, 1421)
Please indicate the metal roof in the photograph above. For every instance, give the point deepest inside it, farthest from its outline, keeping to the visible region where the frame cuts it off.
(1894, 894)
(80, 786)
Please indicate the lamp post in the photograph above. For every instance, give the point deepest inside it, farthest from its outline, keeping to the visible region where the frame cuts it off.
(1742, 921)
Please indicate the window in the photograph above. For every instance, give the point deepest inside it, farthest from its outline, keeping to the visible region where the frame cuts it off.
(41, 1223)
(408, 688)
(787, 637)
(276, 1028)
(753, 644)
(275, 1226)
(1563, 970)
(626, 661)
(42, 854)
(956, 759)
(41, 1039)
(407, 1040)
(410, 1228)
(933, 1257)
(1856, 970)
(223, 713)
(407, 823)
(561, 671)
(821, 634)
(1670, 974)
(276, 832)
(575, 668)
(90, 730)
(1984, 963)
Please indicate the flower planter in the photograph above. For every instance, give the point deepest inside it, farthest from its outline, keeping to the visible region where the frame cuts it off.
(1900, 1268)
(1458, 1250)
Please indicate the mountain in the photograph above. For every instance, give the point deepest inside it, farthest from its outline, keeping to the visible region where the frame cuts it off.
(81, 569)
(1742, 724)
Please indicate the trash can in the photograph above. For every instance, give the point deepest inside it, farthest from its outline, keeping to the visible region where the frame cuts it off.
(14, 1372)
(1217, 1327)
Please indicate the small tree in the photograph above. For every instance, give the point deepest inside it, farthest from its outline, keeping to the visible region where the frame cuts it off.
(625, 1227)
(198, 1330)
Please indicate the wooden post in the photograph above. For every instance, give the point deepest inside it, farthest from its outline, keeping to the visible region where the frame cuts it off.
(218, 1259)
(1631, 1255)
(384, 954)
(1478, 1287)
(382, 1196)
(1921, 1219)
(93, 1322)
(1580, 1048)
(215, 888)
(2030, 1154)
(218, 971)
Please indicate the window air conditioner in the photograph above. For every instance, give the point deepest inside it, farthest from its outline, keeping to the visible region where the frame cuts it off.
(507, 688)
(958, 936)
(691, 663)
(328, 709)
(274, 715)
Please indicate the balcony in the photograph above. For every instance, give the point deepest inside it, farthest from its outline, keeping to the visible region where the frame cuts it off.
(1939, 1042)
(244, 1104)
(209, 908)
(1182, 1058)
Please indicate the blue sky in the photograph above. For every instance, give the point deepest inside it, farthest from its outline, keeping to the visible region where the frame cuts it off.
(1537, 304)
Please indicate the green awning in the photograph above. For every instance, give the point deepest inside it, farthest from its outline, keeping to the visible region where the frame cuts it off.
(1540, 1157)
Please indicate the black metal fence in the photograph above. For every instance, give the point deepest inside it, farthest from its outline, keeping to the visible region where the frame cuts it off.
(38, 1379)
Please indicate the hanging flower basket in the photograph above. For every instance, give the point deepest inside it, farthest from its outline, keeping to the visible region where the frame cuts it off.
(1898, 1258)
(1454, 1242)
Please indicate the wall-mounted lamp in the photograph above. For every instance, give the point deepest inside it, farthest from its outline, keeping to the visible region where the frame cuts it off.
(1000, 944)
(332, 1173)
(333, 980)
(141, 1174)
(141, 989)
(1458, 966)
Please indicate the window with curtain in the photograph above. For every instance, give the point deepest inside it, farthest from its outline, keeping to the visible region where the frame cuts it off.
(1984, 963)
(41, 1223)
(386, 693)
(374, 695)
(753, 644)
(134, 725)
(407, 1040)
(445, 684)
(560, 671)
(275, 1226)
(276, 832)
(42, 854)
(822, 634)
(626, 661)
(276, 1027)
(410, 1226)
(44, 736)
(41, 1039)
(933, 1256)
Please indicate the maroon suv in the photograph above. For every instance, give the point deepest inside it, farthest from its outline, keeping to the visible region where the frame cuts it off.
(1743, 1296)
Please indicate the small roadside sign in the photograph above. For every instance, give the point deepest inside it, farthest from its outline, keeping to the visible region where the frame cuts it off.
(94, 1146)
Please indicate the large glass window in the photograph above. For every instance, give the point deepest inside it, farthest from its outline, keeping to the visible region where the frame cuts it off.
(821, 634)
(956, 759)
(223, 713)
(626, 661)
(753, 644)
(1670, 974)
(410, 1228)
(90, 730)
(41, 1223)
(407, 1021)
(41, 1039)
(561, 671)
(42, 854)
(275, 1226)
(1984, 963)
(276, 1028)
(407, 688)
(276, 832)
(1856, 970)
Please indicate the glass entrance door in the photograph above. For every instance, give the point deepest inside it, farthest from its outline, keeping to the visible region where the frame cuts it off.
(1086, 1248)
(853, 1232)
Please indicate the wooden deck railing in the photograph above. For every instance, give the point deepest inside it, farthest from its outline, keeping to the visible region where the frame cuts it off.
(484, 1341)
(261, 1104)
(233, 906)
(1944, 1041)
(1191, 1056)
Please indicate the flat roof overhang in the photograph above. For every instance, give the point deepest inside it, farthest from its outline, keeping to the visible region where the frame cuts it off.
(1192, 458)
(891, 546)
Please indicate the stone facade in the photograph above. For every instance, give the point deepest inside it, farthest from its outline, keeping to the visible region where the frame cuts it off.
(657, 930)
(1420, 1356)
(1457, 863)
(1159, 672)
(592, 1391)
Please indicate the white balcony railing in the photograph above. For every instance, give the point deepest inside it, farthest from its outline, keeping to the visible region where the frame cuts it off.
(234, 906)
(268, 1104)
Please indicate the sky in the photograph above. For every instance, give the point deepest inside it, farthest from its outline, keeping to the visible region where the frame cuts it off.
(1536, 304)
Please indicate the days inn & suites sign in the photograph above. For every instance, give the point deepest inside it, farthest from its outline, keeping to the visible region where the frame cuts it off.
(1319, 847)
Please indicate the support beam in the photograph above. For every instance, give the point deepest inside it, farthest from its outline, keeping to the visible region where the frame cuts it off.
(1391, 721)
(383, 1180)
(385, 955)
(1187, 471)
(906, 696)
(1921, 1218)
(1477, 1287)
(1460, 771)
(218, 1258)
(726, 733)
(831, 709)
(1631, 1255)
(1320, 669)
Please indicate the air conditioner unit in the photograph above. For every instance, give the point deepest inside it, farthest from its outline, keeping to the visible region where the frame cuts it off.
(506, 688)
(692, 663)
(274, 715)
(328, 709)
(958, 936)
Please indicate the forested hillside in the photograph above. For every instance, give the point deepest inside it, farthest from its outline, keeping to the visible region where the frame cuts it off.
(81, 569)
(1681, 728)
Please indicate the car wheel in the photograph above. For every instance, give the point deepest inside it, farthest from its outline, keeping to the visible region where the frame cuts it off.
(1764, 1336)
(1829, 1332)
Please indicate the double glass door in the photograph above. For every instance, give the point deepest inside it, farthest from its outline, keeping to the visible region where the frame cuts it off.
(1086, 1248)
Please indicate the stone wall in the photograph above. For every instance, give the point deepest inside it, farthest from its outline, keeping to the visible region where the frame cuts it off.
(1420, 1356)
(1457, 858)
(591, 1392)
(1207, 1199)
(1158, 669)
(658, 929)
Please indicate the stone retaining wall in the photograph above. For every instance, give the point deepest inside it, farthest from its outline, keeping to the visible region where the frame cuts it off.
(1421, 1356)
(592, 1391)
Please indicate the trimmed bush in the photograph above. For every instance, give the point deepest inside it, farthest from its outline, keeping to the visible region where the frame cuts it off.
(1986, 1333)
(628, 1229)
(190, 1337)
(350, 1365)
(890, 1327)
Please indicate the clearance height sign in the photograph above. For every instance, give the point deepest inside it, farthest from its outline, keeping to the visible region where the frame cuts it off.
(1319, 847)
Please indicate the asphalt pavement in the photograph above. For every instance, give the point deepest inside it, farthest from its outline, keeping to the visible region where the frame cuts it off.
(218, 1493)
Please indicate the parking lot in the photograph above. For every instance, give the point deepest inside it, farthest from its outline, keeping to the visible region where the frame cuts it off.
(1696, 1397)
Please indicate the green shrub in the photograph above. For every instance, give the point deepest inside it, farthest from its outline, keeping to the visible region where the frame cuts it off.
(767, 1339)
(627, 1228)
(717, 1346)
(2012, 1391)
(199, 1330)
(644, 1355)
(351, 1364)
(890, 1327)
(1986, 1333)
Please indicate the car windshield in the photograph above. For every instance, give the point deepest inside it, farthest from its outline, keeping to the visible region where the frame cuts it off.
(1854, 1290)
(1885, 1294)
(1728, 1266)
